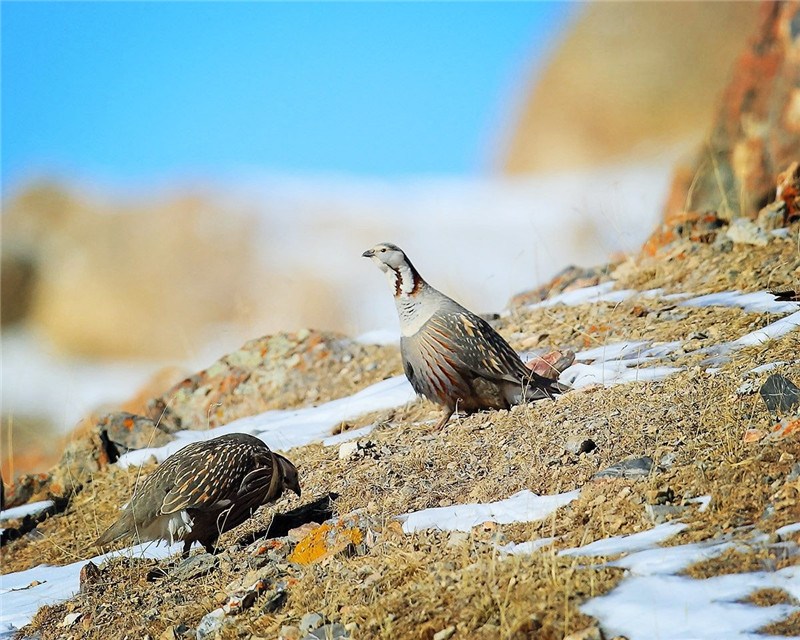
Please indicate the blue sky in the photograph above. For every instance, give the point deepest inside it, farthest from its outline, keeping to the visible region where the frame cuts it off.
(147, 90)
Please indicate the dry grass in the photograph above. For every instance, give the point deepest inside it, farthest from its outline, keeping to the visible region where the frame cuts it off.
(692, 425)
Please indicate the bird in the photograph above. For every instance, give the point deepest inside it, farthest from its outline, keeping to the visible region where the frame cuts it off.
(204, 490)
(450, 355)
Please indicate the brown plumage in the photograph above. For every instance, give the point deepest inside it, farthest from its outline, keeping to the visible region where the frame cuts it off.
(450, 355)
(204, 490)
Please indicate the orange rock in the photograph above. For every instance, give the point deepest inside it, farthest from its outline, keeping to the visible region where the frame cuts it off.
(324, 542)
(753, 435)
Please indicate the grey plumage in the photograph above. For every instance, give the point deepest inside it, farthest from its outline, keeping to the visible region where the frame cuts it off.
(203, 490)
(450, 355)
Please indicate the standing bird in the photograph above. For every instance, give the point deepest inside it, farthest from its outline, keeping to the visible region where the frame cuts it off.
(204, 490)
(450, 355)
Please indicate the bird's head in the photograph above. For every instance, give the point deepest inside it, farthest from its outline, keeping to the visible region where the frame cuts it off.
(387, 256)
(291, 480)
(393, 262)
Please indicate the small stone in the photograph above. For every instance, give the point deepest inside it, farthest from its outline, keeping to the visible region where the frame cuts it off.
(71, 618)
(457, 538)
(580, 444)
(745, 231)
(290, 632)
(210, 624)
(780, 394)
(168, 633)
(328, 632)
(590, 633)
(627, 468)
(660, 513)
(667, 460)
(747, 387)
(310, 621)
(445, 634)
(773, 216)
(551, 365)
(347, 449)
(784, 428)
(753, 435)
(298, 533)
(195, 566)
(90, 575)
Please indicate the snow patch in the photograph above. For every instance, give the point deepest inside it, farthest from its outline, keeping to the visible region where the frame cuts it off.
(524, 506)
(30, 509)
(602, 292)
(627, 544)
(55, 584)
(283, 430)
(522, 548)
(758, 302)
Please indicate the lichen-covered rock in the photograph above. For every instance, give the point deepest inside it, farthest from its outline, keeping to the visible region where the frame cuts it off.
(331, 538)
(278, 371)
(128, 431)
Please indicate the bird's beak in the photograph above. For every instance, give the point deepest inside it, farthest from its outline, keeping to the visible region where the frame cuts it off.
(368, 253)
(296, 489)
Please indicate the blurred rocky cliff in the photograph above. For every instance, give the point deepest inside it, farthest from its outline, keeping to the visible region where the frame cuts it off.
(629, 80)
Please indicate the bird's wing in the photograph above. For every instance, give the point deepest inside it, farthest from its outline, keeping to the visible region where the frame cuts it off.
(476, 346)
(207, 480)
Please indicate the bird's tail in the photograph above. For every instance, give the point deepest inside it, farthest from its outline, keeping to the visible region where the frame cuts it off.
(538, 388)
(122, 528)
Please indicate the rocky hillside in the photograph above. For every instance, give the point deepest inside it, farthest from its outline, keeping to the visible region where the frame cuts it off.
(682, 426)
(659, 498)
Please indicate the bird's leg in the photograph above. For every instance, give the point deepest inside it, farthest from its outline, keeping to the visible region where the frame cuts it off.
(445, 417)
(186, 546)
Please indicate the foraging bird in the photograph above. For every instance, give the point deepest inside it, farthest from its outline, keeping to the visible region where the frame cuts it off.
(450, 355)
(204, 490)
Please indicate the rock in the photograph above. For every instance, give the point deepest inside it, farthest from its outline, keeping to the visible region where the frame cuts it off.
(89, 576)
(445, 634)
(744, 231)
(660, 513)
(328, 632)
(747, 387)
(71, 618)
(195, 566)
(753, 435)
(272, 372)
(552, 364)
(784, 429)
(347, 449)
(210, 624)
(627, 468)
(26, 487)
(580, 444)
(567, 279)
(590, 633)
(298, 533)
(780, 394)
(128, 432)
(168, 633)
(660, 496)
(773, 216)
(310, 621)
(344, 535)
(457, 538)
(275, 600)
(290, 632)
